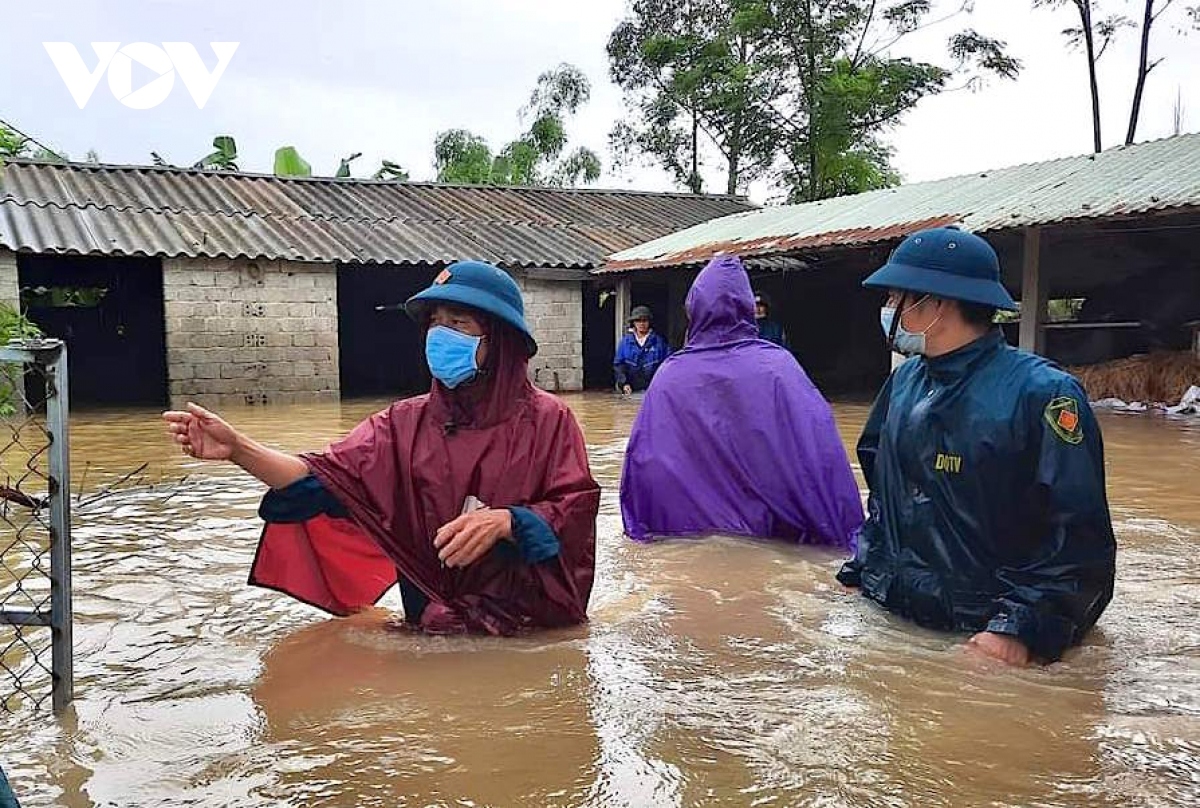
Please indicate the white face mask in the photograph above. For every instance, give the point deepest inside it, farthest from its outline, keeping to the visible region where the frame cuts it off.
(908, 343)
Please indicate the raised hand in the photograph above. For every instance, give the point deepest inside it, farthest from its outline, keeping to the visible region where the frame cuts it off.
(202, 434)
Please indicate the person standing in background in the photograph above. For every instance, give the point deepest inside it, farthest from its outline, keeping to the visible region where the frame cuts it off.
(641, 352)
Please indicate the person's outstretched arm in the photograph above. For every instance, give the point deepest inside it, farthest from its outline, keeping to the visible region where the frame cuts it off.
(206, 436)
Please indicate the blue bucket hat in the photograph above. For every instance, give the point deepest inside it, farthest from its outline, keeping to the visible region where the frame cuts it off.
(475, 285)
(948, 263)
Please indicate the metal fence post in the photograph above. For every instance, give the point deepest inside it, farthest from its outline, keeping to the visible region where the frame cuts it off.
(61, 614)
(26, 530)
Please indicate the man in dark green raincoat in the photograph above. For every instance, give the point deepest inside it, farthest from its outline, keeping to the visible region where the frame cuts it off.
(987, 510)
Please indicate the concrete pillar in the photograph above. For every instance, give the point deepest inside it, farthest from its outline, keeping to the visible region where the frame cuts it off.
(1033, 294)
(554, 310)
(10, 285)
(624, 307)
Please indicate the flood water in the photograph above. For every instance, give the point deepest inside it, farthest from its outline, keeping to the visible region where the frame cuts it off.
(712, 673)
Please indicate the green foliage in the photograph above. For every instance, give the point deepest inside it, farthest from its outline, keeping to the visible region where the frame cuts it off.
(13, 326)
(461, 156)
(795, 90)
(343, 170)
(534, 158)
(390, 171)
(12, 144)
(289, 163)
(695, 74)
(62, 297)
(580, 166)
(1061, 310)
(224, 158)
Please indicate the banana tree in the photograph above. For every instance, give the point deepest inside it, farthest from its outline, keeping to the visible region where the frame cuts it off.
(390, 171)
(343, 171)
(289, 163)
(224, 158)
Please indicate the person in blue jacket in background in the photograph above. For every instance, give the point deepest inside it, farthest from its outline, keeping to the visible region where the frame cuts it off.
(987, 510)
(641, 351)
(768, 329)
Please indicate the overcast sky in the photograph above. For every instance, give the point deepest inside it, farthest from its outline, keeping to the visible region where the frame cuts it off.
(384, 77)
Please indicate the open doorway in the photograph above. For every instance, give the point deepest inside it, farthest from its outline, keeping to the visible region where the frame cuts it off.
(381, 350)
(599, 339)
(109, 312)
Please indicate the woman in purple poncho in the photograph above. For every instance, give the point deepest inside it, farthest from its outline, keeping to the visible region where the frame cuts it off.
(733, 438)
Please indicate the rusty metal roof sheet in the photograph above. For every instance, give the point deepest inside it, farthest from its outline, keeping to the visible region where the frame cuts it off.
(1122, 181)
(135, 210)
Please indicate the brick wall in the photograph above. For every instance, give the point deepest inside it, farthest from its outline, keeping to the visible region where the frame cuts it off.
(250, 332)
(554, 310)
(10, 287)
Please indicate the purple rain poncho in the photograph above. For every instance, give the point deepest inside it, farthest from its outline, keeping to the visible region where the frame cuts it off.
(732, 437)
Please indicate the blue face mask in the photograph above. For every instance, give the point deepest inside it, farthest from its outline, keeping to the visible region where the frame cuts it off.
(904, 342)
(451, 355)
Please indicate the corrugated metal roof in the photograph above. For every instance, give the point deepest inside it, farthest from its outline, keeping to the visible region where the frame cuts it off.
(136, 210)
(1125, 180)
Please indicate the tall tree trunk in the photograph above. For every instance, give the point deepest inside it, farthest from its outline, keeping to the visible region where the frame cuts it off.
(734, 145)
(1143, 71)
(811, 99)
(1085, 17)
(735, 156)
(694, 181)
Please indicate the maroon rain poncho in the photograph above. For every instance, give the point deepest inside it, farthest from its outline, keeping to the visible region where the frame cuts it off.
(405, 472)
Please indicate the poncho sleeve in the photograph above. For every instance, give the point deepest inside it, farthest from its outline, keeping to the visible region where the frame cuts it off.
(328, 560)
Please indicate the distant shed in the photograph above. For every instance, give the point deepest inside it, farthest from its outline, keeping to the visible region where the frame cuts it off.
(1119, 230)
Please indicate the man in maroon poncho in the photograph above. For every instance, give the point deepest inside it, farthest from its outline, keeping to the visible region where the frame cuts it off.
(476, 498)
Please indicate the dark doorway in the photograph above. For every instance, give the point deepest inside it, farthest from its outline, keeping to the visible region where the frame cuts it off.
(832, 325)
(109, 312)
(381, 350)
(599, 338)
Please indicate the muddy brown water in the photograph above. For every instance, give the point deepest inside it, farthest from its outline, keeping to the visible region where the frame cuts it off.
(712, 673)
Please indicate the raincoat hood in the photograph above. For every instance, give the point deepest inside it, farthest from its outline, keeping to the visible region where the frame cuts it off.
(720, 305)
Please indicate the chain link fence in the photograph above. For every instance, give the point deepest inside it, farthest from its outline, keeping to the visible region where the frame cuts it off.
(35, 533)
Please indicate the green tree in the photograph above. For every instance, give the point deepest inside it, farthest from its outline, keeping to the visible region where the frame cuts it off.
(534, 158)
(13, 326)
(799, 90)
(12, 144)
(460, 156)
(696, 72)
